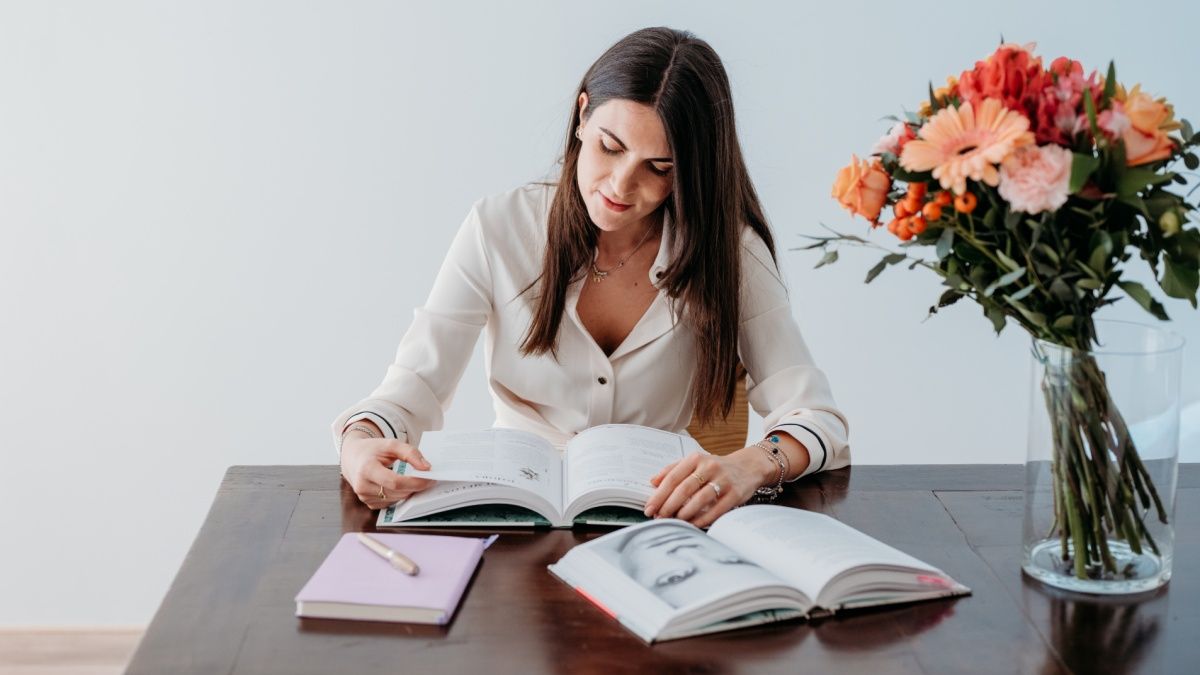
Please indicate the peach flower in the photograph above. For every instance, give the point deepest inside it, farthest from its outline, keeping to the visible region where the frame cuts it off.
(862, 187)
(1036, 178)
(1146, 137)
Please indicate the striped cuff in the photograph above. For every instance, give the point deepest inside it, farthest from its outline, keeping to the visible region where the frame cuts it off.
(380, 421)
(818, 453)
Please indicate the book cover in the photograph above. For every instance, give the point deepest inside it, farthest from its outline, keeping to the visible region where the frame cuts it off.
(353, 582)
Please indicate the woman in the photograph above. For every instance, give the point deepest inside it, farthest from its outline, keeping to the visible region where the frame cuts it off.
(626, 292)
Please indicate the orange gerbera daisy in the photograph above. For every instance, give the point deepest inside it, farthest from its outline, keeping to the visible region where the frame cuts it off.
(961, 143)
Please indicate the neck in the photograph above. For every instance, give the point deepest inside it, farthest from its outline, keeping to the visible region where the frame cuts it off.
(614, 245)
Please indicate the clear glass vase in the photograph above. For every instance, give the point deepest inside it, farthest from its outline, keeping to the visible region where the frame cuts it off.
(1102, 461)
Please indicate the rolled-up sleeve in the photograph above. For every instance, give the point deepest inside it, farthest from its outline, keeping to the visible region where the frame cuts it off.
(433, 354)
(784, 385)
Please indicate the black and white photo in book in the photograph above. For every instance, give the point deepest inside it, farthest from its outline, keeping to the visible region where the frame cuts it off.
(678, 563)
(665, 579)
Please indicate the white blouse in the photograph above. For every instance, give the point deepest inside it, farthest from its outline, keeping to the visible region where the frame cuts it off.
(647, 380)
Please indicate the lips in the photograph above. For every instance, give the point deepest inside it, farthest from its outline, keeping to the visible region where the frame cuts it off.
(615, 206)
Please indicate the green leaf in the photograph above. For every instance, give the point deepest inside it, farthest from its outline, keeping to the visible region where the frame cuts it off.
(1110, 82)
(949, 298)
(874, 271)
(1133, 180)
(893, 258)
(1179, 281)
(1049, 252)
(1140, 295)
(1008, 262)
(1101, 251)
(1004, 281)
(1082, 167)
(1186, 130)
(1091, 112)
(1064, 323)
(829, 257)
(1191, 161)
(996, 314)
(933, 103)
(945, 242)
(1089, 284)
(1023, 293)
(1036, 318)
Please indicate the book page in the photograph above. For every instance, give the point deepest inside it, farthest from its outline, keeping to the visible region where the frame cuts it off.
(669, 567)
(620, 456)
(510, 457)
(805, 548)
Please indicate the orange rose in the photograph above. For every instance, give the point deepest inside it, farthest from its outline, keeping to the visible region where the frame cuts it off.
(1146, 137)
(862, 187)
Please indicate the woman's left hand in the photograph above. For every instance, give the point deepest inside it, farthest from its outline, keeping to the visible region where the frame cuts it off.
(679, 495)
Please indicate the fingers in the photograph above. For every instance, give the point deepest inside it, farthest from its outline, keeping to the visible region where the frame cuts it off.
(700, 500)
(375, 482)
(727, 501)
(676, 487)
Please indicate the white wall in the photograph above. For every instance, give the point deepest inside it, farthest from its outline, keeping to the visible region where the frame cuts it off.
(216, 219)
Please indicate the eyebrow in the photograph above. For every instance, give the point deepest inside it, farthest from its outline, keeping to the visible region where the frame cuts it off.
(622, 144)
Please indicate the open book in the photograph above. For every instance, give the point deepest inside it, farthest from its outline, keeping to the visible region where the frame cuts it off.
(667, 579)
(508, 477)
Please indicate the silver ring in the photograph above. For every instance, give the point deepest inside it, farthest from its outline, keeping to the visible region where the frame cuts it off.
(717, 488)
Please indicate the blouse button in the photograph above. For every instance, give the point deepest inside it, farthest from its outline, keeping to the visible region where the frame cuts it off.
(602, 380)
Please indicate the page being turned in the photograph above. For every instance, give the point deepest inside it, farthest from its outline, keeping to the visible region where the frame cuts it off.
(500, 456)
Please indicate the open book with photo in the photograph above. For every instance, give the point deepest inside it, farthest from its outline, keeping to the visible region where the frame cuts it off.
(666, 579)
(507, 477)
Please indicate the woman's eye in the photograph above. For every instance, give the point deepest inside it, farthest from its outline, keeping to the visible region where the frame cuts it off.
(673, 577)
(610, 151)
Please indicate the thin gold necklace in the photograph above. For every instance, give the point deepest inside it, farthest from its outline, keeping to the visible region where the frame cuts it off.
(598, 274)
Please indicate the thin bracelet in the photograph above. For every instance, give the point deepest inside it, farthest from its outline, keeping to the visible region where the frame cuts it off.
(356, 427)
(773, 451)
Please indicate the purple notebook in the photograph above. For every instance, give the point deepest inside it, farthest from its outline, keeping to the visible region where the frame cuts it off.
(355, 583)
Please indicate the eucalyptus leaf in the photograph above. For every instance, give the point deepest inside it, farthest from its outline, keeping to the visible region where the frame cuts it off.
(893, 258)
(874, 271)
(1049, 252)
(945, 242)
(1089, 284)
(1024, 292)
(1004, 281)
(1008, 262)
(1064, 323)
(829, 257)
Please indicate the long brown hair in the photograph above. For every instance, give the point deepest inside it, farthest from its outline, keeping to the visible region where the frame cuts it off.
(712, 198)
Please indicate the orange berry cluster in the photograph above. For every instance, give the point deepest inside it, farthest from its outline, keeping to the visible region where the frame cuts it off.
(914, 213)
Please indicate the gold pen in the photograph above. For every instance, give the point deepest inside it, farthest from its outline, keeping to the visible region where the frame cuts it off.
(398, 560)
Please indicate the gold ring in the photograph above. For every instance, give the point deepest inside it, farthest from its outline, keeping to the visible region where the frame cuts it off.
(717, 488)
(700, 478)
(382, 494)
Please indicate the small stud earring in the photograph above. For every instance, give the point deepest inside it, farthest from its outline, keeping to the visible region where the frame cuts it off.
(579, 132)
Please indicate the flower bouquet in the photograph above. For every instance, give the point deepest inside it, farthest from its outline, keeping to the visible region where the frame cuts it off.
(1028, 189)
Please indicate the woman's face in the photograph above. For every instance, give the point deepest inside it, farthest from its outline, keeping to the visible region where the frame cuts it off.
(681, 565)
(625, 166)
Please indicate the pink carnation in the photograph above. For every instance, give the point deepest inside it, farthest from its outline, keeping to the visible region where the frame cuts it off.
(1036, 178)
(893, 141)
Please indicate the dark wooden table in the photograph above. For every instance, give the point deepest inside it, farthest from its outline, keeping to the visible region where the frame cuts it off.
(231, 609)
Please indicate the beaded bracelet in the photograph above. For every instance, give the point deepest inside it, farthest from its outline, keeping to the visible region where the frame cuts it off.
(766, 493)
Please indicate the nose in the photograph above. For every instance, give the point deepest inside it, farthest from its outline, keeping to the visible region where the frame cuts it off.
(622, 182)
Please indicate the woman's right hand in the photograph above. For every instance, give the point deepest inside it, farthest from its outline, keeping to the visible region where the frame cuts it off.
(367, 465)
